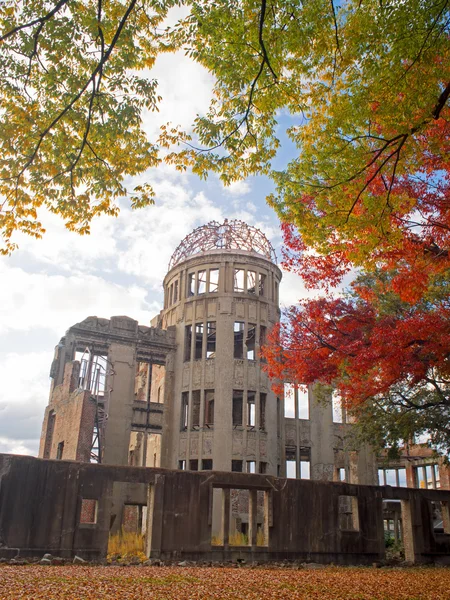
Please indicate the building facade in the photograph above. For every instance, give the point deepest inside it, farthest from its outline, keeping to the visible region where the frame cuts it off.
(190, 391)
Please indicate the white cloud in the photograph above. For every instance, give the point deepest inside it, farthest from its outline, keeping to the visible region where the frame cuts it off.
(237, 188)
(292, 289)
(23, 397)
(186, 90)
(68, 250)
(18, 446)
(33, 301)
(152, 236)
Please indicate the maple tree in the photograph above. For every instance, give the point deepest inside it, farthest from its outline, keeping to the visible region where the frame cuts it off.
(388, 358)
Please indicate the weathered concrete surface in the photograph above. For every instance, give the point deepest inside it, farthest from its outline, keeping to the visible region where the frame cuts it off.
(70, 416)
(40, 508)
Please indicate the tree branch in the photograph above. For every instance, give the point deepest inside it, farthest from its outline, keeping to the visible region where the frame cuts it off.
(441, 102)
(40, 20)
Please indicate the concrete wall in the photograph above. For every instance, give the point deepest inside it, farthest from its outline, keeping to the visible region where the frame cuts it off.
(41, 505)
(71, 413)
(221, 441)
(129, 351)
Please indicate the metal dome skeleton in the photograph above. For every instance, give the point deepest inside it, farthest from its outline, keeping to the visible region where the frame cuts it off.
(230, 235)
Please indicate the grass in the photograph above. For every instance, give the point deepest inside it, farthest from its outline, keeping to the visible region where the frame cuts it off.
(126, 544)
(238, 539)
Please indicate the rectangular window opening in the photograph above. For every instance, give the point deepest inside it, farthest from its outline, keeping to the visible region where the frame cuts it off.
(262, 339)
(184, 410)
(348, 513)
(263, 501)
(207, 464)
(337, 407)
(238, 397)
(395, 477)
(93, 368)
(60, 451)
(238, 285)
(201, 282)
(136, 444)
(280, 421)
(191, 284)
(251, 409)
(262, 411)
(262, 284)
(391, 477)
(401, 473)
(198, 341)
(251, 466)
(427, 476)
(305, 462)
(187, 342)
(88, 513)
(236, 466)
(263, 467)
(210, 339)
(289, 400)
(305, 469)
(209, 407)
(175, 291)
(239, 339)
(196, 408)
(240, 517)
(291, 468)
(49, 434)
(193, 465)
(251, 282)
(182, 465)
(302, 402)
(213, 280)
(250, 342)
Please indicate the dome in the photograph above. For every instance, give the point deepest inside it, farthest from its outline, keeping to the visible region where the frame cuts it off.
(230, 235)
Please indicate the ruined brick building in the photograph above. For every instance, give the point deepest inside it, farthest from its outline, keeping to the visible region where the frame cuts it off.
(189, 392)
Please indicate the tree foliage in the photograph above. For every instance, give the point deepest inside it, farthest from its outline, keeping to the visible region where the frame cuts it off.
(71, 108)
(366, 85)
(389, 359)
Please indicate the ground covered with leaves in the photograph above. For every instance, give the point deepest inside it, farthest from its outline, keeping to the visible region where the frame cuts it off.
(79, 582)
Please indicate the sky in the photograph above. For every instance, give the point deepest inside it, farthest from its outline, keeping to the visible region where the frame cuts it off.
(48, 285)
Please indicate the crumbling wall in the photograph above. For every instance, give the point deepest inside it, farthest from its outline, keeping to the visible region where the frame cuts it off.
(110, 391)
(41, 509)
(69, 420)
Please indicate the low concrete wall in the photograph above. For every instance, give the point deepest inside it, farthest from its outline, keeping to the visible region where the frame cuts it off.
(41, 504)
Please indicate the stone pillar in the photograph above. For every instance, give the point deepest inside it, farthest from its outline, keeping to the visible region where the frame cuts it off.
(120, 396)
(363, 466)
(168, 457)
(322, 436)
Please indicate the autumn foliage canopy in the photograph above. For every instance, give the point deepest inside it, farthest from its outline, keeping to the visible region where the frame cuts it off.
(385, 343)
